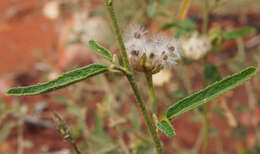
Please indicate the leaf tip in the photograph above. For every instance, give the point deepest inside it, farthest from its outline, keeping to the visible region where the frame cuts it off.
(91, 42)
(11, 92)
(251, 70)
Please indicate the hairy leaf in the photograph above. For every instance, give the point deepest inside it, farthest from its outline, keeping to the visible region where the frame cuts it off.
(209, 93)
(238, 33)
(166, 127)
(62, 81)
(100, 50)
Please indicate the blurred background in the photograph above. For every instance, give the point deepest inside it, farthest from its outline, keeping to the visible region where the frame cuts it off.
(41, 39)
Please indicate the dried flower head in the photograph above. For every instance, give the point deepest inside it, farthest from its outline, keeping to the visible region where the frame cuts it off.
(196, 46)
(150, 53)
(51, 9)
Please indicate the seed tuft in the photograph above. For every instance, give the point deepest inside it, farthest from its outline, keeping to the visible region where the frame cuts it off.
(135, 52)
(137, 35)
(152, 55)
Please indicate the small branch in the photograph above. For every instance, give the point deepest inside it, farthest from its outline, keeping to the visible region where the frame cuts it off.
(252, 101)
(147, 119)
(184, 75)
(205, 130)
(149, 80)
(198, 142)
(228, 114)
(205, 17)
(65, 132)
(20, 132)
(120, 69)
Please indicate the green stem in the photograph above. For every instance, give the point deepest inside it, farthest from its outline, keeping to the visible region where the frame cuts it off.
(183, 74)
(187, 80)
(147, 119)
(130, 78)
(118, 34)
(149, 80)
(205, 17)
(75, 147)
(206, 11)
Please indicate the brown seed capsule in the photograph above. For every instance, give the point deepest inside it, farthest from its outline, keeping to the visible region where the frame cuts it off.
(137, 35)
(164, 52)
(135, 52)
(171, 48)
(165, 57)
(151, 56)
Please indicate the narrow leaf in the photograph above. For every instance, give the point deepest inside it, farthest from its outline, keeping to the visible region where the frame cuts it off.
(100, 50)
(169, 25)
(238, 33)
(209, 93)
(62, 81)
(166, 127)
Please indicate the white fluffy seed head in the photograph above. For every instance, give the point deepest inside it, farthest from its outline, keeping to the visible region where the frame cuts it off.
(160, 51)
(51, 9)
(195, 47)
(135, 32)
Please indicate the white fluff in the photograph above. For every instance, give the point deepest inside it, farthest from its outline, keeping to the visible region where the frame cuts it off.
(195, 47)
(159, 50)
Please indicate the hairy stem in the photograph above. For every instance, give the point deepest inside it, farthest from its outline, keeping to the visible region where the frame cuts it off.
(147, 119)
(118, 34)
(75, 147)
(149, 80)
(130, 78)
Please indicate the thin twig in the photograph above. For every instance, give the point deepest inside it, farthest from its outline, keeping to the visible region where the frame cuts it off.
(252, 104)
(20, 132)
(205, 17)
(149, 80)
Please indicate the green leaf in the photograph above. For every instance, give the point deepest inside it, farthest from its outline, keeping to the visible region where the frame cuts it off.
(186, 26)
(151, 9)
(209, 93)
(169, 25)
(62, 81)
(164, 2)
(237, 33)
(166, 127)
(100, 50)
(211, 74)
